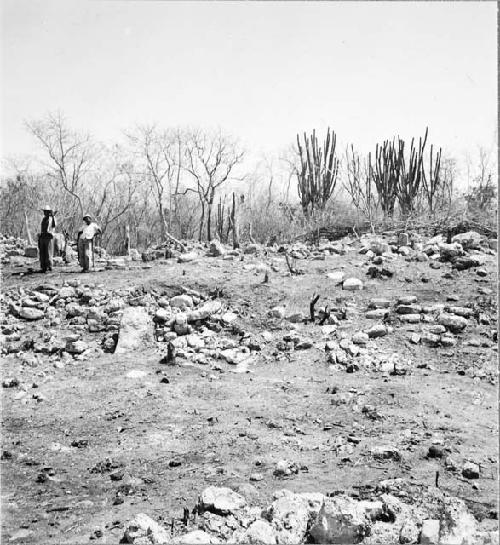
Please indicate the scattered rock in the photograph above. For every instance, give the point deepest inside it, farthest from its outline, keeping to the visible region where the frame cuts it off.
(352, 284)
(471, 471)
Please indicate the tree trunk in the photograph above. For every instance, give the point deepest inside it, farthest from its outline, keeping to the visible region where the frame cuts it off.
(202, 221)
(127, 239)
(209, 222)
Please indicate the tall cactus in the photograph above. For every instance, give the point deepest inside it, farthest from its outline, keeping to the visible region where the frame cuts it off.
(317, 176)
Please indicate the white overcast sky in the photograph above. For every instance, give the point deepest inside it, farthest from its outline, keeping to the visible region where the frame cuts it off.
(261, 70)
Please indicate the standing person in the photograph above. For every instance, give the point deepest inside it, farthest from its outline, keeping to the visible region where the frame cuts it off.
(45, 239)
(86, 241)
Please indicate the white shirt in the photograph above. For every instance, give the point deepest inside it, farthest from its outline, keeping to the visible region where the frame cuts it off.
(89, 231)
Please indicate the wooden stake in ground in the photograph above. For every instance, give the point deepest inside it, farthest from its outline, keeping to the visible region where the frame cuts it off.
(312, 304)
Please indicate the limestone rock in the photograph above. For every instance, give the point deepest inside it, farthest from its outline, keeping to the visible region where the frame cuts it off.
(452, 322)
(352, 284)
(30, 313)
(259, 532)
(221, 500)
(378, 330)
(135, 330)
(337, 277)
(143, 529)
(289, 516)
(188, 257)
(182, 301)
(457, 524)
(203, 312)
(196, 537)
(469, 240)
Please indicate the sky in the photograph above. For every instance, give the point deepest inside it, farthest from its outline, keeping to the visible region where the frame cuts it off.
(262, 71)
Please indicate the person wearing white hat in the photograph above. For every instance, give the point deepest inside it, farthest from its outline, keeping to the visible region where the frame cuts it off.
(45, 239)
(86, 241)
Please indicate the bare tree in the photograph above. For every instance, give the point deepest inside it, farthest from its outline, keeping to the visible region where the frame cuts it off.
(70, 154)
(157, 152)
(317, 173)
(210, 158)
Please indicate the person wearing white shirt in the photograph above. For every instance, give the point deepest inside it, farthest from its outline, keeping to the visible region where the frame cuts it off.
(86, 241)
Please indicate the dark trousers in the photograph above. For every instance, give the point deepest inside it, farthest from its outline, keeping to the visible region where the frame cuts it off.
(46, 251)
(85, 251)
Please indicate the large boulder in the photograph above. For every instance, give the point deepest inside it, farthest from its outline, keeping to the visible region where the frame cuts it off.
(469, 240)
(457, 524)
(259, 532)
(135, 330)
(340, 520)
(221, 500)
(289, 515)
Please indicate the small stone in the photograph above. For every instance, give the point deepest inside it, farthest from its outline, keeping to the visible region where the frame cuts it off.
(337, 277)
(378, 330)
(352, 284)
(452, 322)
(410, 318)
(471, 471)
(482, 272)
(448, 340)
(408, 309)
(76, 347)
(407, 299)
(376, 314)
(435, 451)
(278, 312)
(415, 338)
(31, 314)
(360, 338)
(182, 301)
(256, 477)
(188, 257)
(386, 452)
(379, 303)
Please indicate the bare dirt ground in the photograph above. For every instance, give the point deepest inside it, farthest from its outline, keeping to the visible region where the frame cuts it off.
(100, 446)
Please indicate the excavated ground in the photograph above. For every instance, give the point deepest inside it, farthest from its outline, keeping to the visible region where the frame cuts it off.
(147, 445)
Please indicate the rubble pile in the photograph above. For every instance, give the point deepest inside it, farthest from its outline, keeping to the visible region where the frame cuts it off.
(82, 320)
(392, 512)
